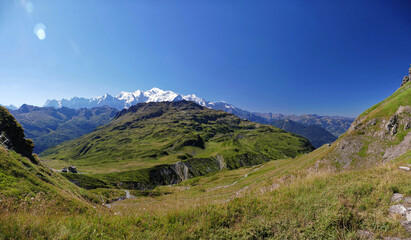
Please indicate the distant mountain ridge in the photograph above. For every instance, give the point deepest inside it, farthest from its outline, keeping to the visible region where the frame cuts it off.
(49, 126)
(317, 135)
(10, 107)
(334, 124)
(128, 99)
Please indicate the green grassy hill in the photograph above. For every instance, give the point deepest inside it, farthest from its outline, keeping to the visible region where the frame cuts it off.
(177, 140)
(380, 134)
(27, 184)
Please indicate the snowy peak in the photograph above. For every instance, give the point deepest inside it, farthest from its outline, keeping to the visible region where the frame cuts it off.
(127, 99)
(158, 95)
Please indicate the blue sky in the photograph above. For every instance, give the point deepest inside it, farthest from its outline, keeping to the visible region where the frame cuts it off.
(323, 57)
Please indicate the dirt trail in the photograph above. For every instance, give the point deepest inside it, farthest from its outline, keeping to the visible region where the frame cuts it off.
(232, 184)
(231, 195)
(115, 202)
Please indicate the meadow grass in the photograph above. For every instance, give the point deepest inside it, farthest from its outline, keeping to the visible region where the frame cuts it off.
(282, 201)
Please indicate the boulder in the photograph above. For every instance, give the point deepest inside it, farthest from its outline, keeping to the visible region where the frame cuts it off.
(397, 209)
(397, 197)
(72, 169)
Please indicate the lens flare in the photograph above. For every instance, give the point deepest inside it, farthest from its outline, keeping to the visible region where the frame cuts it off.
(40, 31)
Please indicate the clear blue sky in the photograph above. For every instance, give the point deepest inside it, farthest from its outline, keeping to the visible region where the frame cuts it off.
(324, 57)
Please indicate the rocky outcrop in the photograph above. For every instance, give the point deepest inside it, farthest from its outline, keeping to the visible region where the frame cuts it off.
(382, 133)
(12, 136)
(405, 80)
(369, 139)
(183, 170)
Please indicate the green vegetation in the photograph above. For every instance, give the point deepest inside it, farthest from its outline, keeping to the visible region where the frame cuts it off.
(281, 199)
(21, 181)
(149, 139)
(401, 97)
(26, 184)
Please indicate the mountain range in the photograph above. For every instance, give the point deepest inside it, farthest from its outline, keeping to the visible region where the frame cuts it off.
(128, 99)
(62, 120)
(317, 135)
(334, 124)
(48, 126)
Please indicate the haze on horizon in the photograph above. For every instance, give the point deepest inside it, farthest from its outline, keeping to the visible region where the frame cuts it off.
(293, 57)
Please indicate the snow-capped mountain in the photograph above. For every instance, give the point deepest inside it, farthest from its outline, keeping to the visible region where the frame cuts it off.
(127, 99)
(336, 125)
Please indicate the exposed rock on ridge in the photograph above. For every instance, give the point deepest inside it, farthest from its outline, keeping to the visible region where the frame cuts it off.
(406, 79)
(12, 135)
(380, 134)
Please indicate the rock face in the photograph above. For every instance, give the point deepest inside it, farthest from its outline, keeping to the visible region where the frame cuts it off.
(183, 170)
(12, 135)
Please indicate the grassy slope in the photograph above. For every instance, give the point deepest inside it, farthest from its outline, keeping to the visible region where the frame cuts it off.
(401, 97)
(28, 186)
(278, 200)
(370, 144)
(21, 181)
(164, 133)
